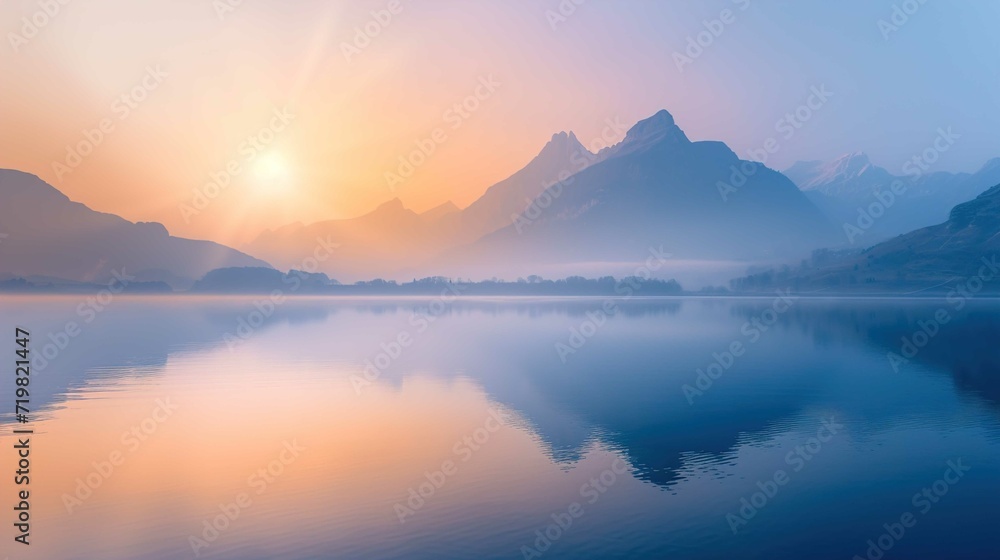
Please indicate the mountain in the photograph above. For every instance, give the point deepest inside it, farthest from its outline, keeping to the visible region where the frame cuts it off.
(378, 243)
(657, 188)
(953, 248)
(934, 258)
(249, 280)
(843, 186)
(440, 211)
(559, 159)
(48, 235)
(845, 175)
(393, 238)
(567, 206)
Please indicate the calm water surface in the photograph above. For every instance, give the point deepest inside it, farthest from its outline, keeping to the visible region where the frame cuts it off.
(507, 428)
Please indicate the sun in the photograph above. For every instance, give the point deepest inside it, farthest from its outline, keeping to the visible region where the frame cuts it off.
(272, 173)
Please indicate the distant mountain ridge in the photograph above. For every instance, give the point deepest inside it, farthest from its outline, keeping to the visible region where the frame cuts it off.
(964, 249)
(392, 238)
(567, 209)
(48, 235)
(955, 247)
(843, 186)
(654, 188)
(658, 188)
(846, 174)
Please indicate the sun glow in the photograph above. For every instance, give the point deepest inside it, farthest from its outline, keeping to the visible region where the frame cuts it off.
(272, 173)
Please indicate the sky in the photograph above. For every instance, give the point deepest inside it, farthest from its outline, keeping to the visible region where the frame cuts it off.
(220, 118)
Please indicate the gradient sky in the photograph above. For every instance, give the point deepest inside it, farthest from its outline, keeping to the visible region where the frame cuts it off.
(354, 118)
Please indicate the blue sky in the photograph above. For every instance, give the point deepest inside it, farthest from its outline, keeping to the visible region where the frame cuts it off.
(892, 89)
(598, 62)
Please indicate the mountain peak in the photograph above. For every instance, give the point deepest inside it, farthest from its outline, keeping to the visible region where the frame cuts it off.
(658, 128)
(832, 176)
(564, 136)
(660, 119)
(991, 164)
(853, 159)
(449, 206)
(394, 205)
(851, 165)
(562, 145)
(440, 211)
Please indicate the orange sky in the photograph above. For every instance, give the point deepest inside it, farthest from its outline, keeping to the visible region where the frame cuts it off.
(218, 80)
(209, 79)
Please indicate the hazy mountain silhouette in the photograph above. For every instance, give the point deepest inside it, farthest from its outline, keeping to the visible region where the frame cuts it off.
(48, 235)
(378, 243)
(255, 280)
(929, 259)
(440, 211)
(392, 238)
(957, 246)
(267, 281)
(559, 159)
(658, 188)
(846, 175)
(843, 186)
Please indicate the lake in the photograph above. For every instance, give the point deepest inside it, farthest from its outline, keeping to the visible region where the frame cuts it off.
(566, 428)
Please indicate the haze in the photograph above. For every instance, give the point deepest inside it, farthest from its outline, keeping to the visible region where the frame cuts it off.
(213, 76)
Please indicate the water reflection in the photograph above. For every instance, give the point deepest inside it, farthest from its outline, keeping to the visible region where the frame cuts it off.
(297, 380)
